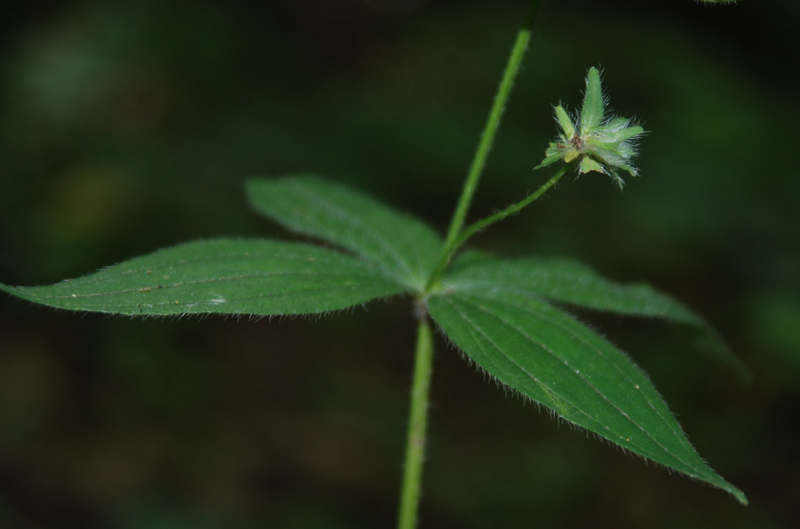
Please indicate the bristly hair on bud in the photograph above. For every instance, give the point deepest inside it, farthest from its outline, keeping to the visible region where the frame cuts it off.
(600, 142)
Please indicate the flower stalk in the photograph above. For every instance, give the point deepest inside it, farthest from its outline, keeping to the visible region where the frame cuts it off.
(485, 144)
(472, 229)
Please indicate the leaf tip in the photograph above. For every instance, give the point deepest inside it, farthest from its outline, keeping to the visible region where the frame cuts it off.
(737, 494)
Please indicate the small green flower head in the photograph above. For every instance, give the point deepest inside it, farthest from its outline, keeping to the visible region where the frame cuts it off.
(606, 144)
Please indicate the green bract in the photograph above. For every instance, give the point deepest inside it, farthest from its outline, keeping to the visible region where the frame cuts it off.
(605, 144)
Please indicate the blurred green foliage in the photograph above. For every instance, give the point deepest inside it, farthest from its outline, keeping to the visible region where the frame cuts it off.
(129, 126)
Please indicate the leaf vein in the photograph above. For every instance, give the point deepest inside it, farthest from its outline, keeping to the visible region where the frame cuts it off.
(594, 388)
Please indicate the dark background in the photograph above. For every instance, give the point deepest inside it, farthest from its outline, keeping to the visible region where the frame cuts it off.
(129, 126)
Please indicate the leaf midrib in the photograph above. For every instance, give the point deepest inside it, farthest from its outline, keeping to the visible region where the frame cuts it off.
(162, 287)
(335, 211)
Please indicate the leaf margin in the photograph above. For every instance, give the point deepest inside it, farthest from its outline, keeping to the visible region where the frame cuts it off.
(380, 233)
(138, 277)
(702, 473)
(566, 281)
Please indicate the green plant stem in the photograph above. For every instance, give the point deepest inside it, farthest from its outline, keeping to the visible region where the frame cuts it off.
(487, 139)
(472, 229)
(417, 422)
(418, 413)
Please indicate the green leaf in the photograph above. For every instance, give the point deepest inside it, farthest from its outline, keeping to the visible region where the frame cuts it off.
(593, 105)
(223, 276)
(550, 159)
(589, 164)
(404, 246)
(570, 282)
(625, 133)
(565, 121)
(556, 361)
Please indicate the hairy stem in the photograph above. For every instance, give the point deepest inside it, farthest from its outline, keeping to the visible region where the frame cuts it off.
(485, 144)
(418, 414)
(510, 210)
(472, 229)
(418, 418)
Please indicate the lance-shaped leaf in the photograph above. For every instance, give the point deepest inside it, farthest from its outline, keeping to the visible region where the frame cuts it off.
(558, 362)
(223, 276)
(570, 282)
(593, 110)
(404, 246)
